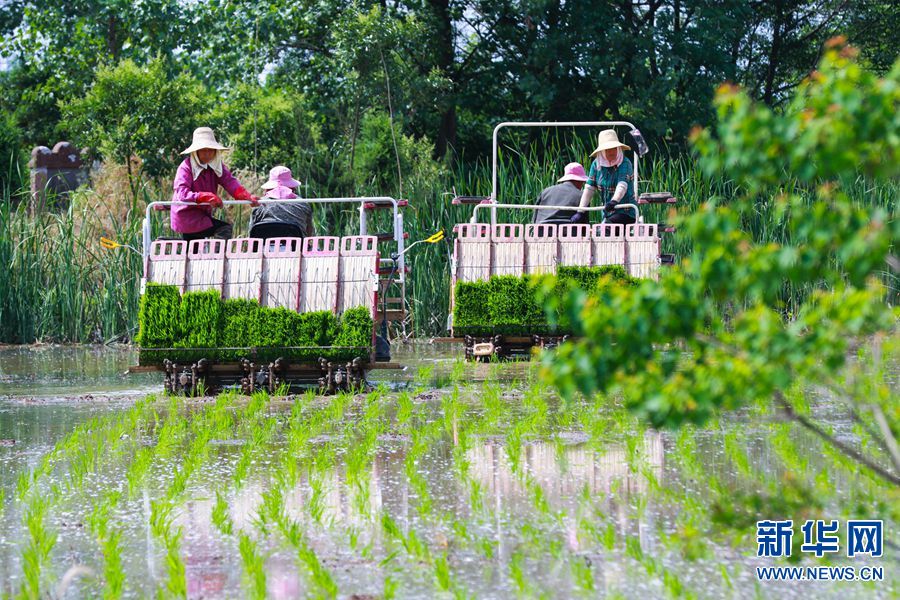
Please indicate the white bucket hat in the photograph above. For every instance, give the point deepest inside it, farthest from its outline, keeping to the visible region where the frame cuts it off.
(204, 138)
(607, 139)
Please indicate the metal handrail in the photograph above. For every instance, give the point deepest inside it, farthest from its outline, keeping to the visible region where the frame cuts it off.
(477, 207)
(397, 216)
(551, 124)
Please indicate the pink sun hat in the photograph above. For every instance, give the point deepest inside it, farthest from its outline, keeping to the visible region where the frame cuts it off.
(574, 172)
(280, 192)
(281, 176)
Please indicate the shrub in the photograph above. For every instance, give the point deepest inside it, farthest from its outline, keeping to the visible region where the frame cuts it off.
(201, 319)
(12, 161)
(377, 155)
(269, 127)
(138, 110)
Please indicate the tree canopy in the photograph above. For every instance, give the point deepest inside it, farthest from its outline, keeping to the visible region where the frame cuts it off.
(447, 70)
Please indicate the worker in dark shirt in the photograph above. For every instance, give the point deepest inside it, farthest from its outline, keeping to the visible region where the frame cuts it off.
(566, 192)
(281, 219)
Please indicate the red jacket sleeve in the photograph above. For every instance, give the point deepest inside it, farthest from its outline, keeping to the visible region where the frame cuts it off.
(229, 181)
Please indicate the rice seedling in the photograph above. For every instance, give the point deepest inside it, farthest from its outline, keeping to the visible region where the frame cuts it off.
(113, 569)
(220, 517)
(254, 566)
(517, 574)
(176, 585)
(443, 576)
(321, 578)
(41, 542)
(259, 436)
(389, 589)
(271, 508)
(583, 574)
(109, 540)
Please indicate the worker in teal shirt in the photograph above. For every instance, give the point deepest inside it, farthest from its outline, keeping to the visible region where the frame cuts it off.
(613, 175)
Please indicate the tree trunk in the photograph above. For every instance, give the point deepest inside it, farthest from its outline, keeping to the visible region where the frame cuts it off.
(774, 53)
(113, 44)
(443, 29)
(447, 133)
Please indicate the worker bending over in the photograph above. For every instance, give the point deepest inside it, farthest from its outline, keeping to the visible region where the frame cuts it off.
(566, 192)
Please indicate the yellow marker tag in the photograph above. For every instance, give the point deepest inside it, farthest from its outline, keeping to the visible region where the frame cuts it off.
(436, 237)
(108, 243)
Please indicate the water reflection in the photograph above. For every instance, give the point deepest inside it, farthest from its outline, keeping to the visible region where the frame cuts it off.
(566, 475)
(562, 471)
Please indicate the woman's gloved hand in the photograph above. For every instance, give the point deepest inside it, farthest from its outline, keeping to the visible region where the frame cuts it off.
(209, 198)
(609, 206)
(579, 217)
(242, 194)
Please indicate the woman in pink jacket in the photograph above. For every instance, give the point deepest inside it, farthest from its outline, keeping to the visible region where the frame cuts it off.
(196, 185)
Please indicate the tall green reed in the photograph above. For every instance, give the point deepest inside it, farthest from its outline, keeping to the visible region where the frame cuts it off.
(56, 282)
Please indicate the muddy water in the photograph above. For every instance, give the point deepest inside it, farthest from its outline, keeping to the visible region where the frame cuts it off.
(609, 505)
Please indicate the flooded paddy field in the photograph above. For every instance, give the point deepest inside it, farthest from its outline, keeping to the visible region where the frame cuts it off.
(448, 480)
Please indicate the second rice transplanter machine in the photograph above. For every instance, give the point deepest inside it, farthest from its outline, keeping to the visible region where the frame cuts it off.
(337, 273)
(510, 247)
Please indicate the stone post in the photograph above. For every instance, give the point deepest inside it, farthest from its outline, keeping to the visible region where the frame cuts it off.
(54, 174)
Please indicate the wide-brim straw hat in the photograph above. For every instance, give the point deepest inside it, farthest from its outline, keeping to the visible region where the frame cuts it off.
(280, 176)
(606, 140)
(204, 138)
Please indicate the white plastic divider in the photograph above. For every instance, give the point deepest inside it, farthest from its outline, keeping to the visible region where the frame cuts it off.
(609, 244)
(508, 246)
(541, 248)
(281, 272)
(244, 269)
(205, 265)
(472, 251)
(167, 263)
(642, 250)
(575, 245)
(358, 272)
(319, 274)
